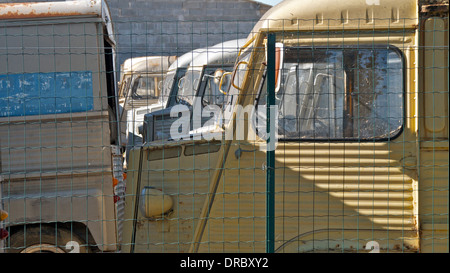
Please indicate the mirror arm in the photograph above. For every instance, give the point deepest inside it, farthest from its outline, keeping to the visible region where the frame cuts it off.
(221, 82)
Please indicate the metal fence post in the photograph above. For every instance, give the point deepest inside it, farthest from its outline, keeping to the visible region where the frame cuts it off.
(270, 175)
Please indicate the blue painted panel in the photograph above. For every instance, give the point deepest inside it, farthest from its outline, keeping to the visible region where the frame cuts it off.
(45, 93)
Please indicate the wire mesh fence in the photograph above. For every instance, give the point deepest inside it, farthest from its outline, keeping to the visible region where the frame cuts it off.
(311, 130)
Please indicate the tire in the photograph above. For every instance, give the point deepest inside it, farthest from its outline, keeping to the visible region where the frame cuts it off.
(46, 239)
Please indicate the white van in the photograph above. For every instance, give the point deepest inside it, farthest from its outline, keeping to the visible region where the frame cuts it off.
(198, 87)
(167, 90)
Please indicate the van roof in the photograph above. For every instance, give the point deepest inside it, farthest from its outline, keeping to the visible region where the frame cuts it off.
(185, 59)
(46, 10)
(50, 9)
(342, 14)
(222, 53)
(147, 64)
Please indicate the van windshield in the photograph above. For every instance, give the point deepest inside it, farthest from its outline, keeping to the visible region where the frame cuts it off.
(188, 86)
(210, 84)
(170, 86)
(147, 86)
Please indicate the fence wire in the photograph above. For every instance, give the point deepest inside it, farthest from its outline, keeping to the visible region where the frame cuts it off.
(156, 140)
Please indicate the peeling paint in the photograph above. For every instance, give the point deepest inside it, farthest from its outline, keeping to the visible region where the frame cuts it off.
(53, 9)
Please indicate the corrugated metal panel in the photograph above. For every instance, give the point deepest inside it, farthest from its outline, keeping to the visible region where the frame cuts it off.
(133, 104)
(322, 200)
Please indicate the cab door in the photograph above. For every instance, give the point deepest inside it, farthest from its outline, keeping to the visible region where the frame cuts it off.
(340, 180)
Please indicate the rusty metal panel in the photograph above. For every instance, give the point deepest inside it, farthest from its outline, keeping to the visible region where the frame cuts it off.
(75, 143)
(56, 123)
(53, 9)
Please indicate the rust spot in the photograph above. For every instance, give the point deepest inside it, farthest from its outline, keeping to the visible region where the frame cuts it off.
(440, 10)
(435, 8)
(139, 224)
(33, 14)
(26, 10)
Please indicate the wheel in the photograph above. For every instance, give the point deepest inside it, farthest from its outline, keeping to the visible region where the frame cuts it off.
(46, 239)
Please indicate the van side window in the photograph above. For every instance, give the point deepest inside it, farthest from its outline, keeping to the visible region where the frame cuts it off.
(340, 93)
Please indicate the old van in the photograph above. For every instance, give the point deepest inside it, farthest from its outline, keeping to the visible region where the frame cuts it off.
(59, 129)
(360, 93)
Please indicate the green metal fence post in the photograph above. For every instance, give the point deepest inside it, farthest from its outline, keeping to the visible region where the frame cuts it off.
(270, 175)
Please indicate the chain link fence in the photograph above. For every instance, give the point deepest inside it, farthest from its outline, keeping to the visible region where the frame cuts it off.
(311, 130)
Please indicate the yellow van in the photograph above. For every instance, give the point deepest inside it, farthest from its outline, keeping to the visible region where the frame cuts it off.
(361, 161)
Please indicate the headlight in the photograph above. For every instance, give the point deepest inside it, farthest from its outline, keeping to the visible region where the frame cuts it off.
(155, 203)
